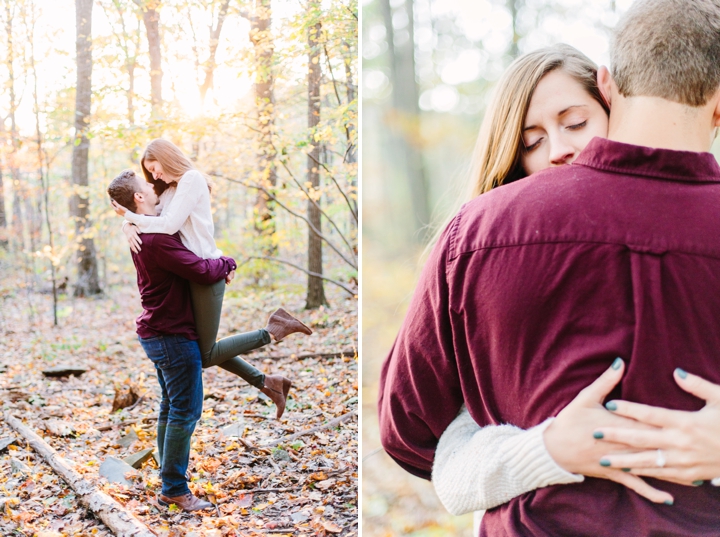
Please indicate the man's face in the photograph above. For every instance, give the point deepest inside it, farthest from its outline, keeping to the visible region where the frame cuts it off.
(145, 197)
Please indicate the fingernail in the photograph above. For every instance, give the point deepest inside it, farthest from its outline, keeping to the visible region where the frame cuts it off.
(698, 483)
(604, 462)
(611, 405)
(681, 373)
(625, 469)
(668, 502)
(617, 363)
(598, 435)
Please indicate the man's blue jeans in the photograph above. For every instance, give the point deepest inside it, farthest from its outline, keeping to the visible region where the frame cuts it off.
(179, 371)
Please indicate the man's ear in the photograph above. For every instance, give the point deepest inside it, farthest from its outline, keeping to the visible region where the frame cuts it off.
(716, 108)
(138, 197)
(606, 84)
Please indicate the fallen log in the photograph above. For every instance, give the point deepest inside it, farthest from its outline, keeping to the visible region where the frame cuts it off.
(115, 516)
(330, 423)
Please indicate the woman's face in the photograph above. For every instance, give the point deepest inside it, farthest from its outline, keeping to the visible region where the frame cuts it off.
(561, 119)
(156, 169)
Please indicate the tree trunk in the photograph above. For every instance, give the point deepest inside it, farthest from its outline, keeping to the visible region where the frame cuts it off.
(514, 6)
(3, 217)
(45, 186)
(214, 40)
(88, 283)
(151, 19)
(351, 152)
(19, 195)
(262, 38)
(407, 109)
(315, 289)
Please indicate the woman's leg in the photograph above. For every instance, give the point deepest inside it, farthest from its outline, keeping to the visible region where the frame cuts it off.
(207, 306)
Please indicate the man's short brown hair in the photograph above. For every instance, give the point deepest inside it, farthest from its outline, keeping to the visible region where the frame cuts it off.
(668, 49)
(123, 189)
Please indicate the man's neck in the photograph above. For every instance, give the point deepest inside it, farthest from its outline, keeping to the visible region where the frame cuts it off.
(146, 210)
(661, 124)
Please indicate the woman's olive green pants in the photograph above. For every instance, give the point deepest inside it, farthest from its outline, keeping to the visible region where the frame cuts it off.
(207, 304)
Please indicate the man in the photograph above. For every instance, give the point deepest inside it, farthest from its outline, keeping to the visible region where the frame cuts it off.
(537, 286)
(166, 330)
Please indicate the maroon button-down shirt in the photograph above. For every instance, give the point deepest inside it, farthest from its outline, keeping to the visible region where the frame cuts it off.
(533, 290)
(164, 266)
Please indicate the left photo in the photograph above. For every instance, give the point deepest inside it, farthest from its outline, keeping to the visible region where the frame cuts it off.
(179, 267)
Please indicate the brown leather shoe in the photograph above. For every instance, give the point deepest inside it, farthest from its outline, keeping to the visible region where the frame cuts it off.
(188, 502)
(281, 324)
(277, 388)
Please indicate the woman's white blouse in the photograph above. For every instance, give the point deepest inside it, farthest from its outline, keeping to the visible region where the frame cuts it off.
(185, 209)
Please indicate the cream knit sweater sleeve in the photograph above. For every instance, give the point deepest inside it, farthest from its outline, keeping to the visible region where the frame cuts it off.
(482, 467)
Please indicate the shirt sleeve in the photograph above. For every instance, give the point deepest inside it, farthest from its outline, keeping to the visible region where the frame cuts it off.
(482, 467)
(189, 193)
(173, 256)
(420, 393)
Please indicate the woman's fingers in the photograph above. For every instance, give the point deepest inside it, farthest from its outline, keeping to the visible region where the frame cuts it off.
(641, 487)
(596, 392)
(697, 386)
(652, 415)
(640, 459)
(636, 438)
(682, 476)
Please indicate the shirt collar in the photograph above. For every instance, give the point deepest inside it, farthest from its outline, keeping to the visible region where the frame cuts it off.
(630, 159)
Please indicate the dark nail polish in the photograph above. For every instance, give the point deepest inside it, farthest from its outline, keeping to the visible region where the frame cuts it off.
(604, 462)
(617, 363)
(598, 435)
(625, 469)
(698, 483)
(668, 502)
(681, 373)
(611, 405)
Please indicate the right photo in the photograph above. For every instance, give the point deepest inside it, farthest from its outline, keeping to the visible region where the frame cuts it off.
(541, 267)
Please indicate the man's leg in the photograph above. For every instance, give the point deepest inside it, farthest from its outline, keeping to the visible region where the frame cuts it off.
(180, 375)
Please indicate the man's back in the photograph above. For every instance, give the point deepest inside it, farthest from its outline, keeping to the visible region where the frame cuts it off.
(164, 266)
(546, 281)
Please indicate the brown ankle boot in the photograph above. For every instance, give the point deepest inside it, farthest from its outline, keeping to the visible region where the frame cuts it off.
(281, 324)
(187, 502)
(277, 388)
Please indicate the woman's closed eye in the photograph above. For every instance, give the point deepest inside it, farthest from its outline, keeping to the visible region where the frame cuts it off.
(577, 126)
(532, 144)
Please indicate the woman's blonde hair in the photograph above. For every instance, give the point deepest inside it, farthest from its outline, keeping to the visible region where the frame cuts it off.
(496, 157)
(171, 158)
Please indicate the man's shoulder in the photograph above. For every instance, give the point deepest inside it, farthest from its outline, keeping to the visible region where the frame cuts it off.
(533, 209)
(152, 243)
(161, 239)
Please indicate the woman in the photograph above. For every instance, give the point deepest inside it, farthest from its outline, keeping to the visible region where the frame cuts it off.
(545, 110)
(185, 208)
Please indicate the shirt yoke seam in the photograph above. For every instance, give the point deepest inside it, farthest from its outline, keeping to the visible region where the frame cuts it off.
(578, 242)
(655, 175)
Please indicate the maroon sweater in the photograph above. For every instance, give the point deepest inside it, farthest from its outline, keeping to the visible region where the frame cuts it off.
(533, 290)
(164, 267)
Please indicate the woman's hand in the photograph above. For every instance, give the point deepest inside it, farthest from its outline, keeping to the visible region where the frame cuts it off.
(690, 441)
(570, 442)
(133, 237)
(229, 277)
(119, 209)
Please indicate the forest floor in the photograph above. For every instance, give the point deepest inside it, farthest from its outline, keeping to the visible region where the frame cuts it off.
(307, 486)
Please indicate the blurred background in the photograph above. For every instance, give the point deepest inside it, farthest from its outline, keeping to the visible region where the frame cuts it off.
(429, 67)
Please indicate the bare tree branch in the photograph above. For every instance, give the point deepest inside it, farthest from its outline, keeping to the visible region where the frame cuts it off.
(353, 264)
(352, 210)
(309, 197)
(347, 289)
